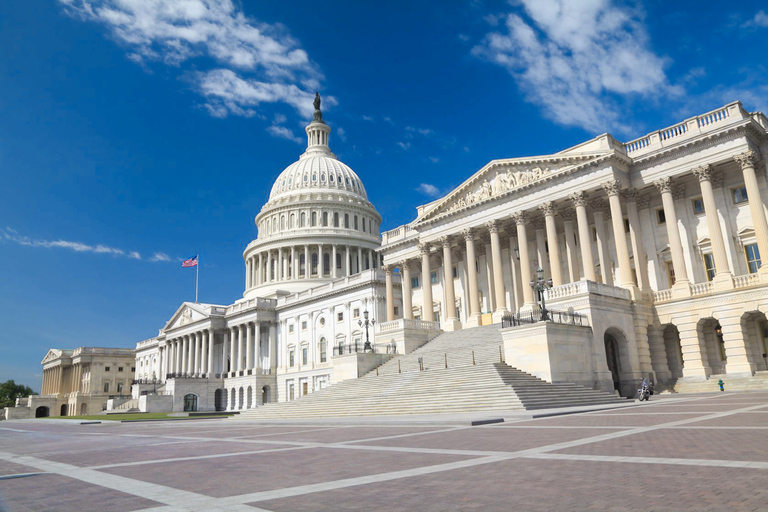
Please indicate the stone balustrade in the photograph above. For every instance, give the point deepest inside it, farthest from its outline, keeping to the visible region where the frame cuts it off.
(746, 281)
(584, 287)
(702, 289)
(404, 323)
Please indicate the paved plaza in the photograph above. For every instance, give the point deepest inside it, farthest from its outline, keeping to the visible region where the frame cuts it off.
(697, 452)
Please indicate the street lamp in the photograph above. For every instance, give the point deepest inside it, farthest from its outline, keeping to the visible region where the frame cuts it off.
(540, 285)
(365, 322)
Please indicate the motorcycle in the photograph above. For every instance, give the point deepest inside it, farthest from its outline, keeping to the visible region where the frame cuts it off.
(645, 391)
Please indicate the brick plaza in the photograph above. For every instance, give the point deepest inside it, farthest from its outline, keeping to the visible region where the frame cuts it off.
(694, 452)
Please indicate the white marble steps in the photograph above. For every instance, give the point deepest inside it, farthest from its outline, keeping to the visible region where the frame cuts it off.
(490, 386)
(758, 382)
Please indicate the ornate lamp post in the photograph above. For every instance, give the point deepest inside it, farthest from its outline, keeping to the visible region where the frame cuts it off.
(539, 285)
(365, 322)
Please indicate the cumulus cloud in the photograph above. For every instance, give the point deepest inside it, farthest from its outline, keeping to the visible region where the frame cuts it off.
(284, 133)
(160, 256)
(342, 134)
(253, 62)
(577, 59)
(429, 190)
(760, 20)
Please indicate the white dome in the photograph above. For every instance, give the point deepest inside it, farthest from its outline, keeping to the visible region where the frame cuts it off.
(315, 173)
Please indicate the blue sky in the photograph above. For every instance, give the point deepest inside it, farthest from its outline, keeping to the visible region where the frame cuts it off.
(135, 133)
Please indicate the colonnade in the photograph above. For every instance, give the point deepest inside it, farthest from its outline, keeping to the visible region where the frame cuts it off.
(305, 262)
(59, 379)
(547, 237)
(189, 354)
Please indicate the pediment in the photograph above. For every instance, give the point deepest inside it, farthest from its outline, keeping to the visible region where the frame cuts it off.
(500, 178)
(188, 313)
(52, 355)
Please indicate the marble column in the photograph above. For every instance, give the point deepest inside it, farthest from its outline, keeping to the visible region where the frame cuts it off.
(359, 259)
(241, 343)
(233, 350)
(474, 316)
(548, 210)
(320, 261)
(498, 272)
(197, 340)
(333, 262)
(256, 346)
(526, 276)
(450, 320)
(390, 293)
(723, 277)
(542, 261)
(248, 270)
(603, 255)
(747, 161)
(225, 352)
(571, 260)
(407, 290)
(211, 344)
(249, 347)
(514, 265)
(293, 263)
(636, 237)
(184, 356)
(585, 240)
(613, 188)
(427, 314)
(261, 269)
(681, 287)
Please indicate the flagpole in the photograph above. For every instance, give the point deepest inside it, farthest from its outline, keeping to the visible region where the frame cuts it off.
(197, 276)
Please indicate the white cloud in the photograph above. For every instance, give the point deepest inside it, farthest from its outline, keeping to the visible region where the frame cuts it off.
(367, 118)
(160, 256)
(176, 31)
(760, 20)
(434, 159)
(430, 190)
(404, 145)
(12, 235)
(576, 59)
(284, 133)
(342, 134)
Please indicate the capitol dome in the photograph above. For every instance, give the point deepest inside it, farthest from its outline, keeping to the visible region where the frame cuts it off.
(317, 225)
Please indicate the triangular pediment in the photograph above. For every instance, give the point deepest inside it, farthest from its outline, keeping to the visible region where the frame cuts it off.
(500, 178)
(52, 355)
(188, 313)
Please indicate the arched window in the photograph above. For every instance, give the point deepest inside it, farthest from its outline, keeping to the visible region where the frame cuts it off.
(314, 219)
(325, 219)
(356, 223)
(302, 264)
(323, 350)
(292, 223)
(370, 226)
(326, 263)
(363, 219)
(303, 219)
(274, 224)
(314, 263)
(282, 222)
(346, 220)
(338, 260)
(336, 219)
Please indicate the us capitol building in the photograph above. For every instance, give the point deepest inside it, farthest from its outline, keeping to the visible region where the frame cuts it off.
(653, 245)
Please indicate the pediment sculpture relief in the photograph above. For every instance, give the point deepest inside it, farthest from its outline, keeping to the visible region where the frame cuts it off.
(186, 317)
(504, 181)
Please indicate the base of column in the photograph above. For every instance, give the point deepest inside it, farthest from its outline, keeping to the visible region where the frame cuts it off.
(474, 320)
(634, 291)
(723, 282)
(700, 373)
(762, 273)
(499, 314)
(452, 324)
(681, 290)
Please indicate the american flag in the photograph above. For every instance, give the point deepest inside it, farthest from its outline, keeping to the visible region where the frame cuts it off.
(191, 262)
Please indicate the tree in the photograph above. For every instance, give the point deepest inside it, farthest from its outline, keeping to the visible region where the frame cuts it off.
(9, 391)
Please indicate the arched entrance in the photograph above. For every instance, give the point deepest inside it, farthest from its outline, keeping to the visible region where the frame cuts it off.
(612, 358)
(241, 397)
(190, 403)
(712, 345)
(42, 412)
(249, 398)
(231, 404)
(83, 409)
(265, 395)
(754, 328)
(220, 399)
(674, 351)
(63, 410)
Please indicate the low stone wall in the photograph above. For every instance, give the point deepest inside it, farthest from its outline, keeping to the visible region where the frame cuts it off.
(156, 403)
(205, 389)
(16, 413)
(352, 366)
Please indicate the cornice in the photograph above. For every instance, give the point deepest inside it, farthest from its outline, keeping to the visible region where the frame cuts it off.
(334, 293)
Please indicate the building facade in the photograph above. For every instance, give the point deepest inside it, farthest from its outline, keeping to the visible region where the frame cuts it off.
(657, 242)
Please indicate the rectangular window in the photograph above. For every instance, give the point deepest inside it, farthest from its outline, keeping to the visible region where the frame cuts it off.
(303, 325)
(340, 317)
(753, 257)
(397, 311)
(290, 391)
(660, 217)
(291, 361)
(106, 368)
(455, 271)
(106, 387)
(415, 282)
(433, 277)
(739, 195)
(670, 274)
(323, 352)
(119, 368)
(120, 387)
(133, 369)
(356, 313)
(304, 354)
(709, 266)
(698, 205)
(290, 328)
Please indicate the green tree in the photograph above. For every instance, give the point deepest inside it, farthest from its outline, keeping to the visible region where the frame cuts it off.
(9, 391)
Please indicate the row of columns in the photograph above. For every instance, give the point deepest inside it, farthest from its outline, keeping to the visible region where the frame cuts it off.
(615, 193)
(286, 263)
(51, 380)
(56, 380)
(244, 347)
(190, 354)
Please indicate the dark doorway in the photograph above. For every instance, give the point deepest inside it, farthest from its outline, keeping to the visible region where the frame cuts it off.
(265, 395)
(190, 403)
(63, 409)
(42, 412)
(220, 397)
(612, 358)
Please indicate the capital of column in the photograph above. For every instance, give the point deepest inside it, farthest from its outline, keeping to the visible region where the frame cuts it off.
(492, 226)
(468, 234)
(716, 179)
(747, 159)
(612, 187)
(518, 218)
(445, 241)
(387, 269)
(703, 172)
(404, 264)
(629, 195)
(537, 222)
(423, 248)
(578, 198)
(600, 206)
(643, 202)
(664, 185)
(547, 208)
(678, 192)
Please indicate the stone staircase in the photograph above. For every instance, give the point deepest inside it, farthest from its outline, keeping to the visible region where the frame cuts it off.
(131, 405)
(757, 382)
(402, 389)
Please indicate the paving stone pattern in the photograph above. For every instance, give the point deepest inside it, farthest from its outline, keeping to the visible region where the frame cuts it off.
(701, 452)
